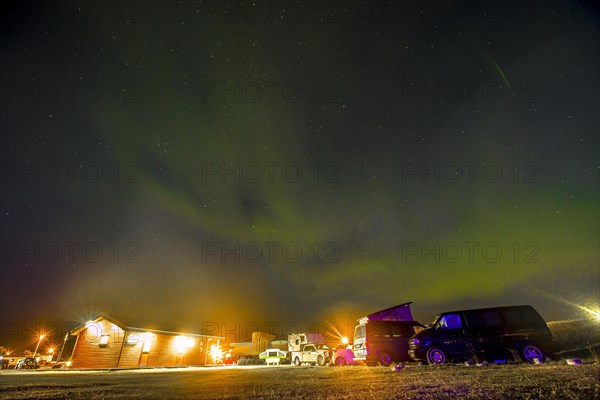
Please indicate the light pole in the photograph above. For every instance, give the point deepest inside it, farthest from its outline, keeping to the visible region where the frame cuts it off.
(38, 345)
(206, 351)
(62, 348)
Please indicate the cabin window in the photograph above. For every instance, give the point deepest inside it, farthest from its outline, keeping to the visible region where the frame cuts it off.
(132, 339)
(147, 343)
(103, 341)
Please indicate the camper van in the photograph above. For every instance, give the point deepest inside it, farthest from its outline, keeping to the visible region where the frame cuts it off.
(489, 334)
(382, 337)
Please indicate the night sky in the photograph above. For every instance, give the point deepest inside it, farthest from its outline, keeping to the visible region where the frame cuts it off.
(290, 162)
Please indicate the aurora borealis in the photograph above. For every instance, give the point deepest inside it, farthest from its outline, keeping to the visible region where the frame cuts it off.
(444, 153)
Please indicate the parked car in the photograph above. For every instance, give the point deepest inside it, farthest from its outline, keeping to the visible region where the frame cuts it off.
(343, 356)
(488, 334)
(62, 365)
(27, 363)
(383, 342)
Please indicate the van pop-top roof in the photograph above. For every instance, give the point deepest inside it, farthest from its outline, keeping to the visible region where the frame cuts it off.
(397, 313)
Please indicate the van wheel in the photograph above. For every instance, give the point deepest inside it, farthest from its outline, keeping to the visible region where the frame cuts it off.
(320, 360)
(436, 356)
(529, 352)
(385, 359)
(340, 361)
(297, 362)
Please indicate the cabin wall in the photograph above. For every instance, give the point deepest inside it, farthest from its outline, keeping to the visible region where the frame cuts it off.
(164, 352)
(88, 353)
(132, 351)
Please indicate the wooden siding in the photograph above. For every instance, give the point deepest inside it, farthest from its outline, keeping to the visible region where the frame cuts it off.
(130, 356)
(163, 352)
(89, 354)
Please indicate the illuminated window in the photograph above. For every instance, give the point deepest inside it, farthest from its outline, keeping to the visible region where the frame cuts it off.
(103, 341)
(133, 339)
(148, 338)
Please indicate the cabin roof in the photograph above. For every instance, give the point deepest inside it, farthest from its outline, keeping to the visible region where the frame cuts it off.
(136, 324)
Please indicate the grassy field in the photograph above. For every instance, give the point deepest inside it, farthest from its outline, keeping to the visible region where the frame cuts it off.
(522, 381)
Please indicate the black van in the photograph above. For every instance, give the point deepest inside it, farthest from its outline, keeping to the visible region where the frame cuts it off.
(383, 342)
(484, 334)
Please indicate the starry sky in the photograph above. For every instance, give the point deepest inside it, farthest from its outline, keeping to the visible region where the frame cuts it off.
(296, 162)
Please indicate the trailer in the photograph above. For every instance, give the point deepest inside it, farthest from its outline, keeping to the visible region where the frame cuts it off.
(273, 356)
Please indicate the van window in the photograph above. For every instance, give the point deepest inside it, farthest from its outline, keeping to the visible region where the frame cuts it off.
(477, 319)
(359, 332)
(523, 317)
(401, 331)
(450, 321)
(379, 330)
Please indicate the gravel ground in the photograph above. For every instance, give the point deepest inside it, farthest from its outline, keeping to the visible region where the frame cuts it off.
(521, 381)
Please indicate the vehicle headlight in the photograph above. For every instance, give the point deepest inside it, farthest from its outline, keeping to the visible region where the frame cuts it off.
(415, 341)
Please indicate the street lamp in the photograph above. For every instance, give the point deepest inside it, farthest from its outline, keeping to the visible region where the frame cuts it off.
(38, 344)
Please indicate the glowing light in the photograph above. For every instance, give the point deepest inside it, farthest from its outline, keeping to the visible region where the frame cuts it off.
(133, 339)
(591, 312)
(216, 354)
(93, 331)
(148, 338)
(344, 340)
(182, 343)
(51, 350)
(104, 339)
(68, 364)
(595, 314)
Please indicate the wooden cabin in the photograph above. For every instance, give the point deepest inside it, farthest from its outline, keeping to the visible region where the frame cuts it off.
(106, 342)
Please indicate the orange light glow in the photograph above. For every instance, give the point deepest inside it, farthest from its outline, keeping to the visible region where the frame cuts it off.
(216, 354)
(182, 343)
